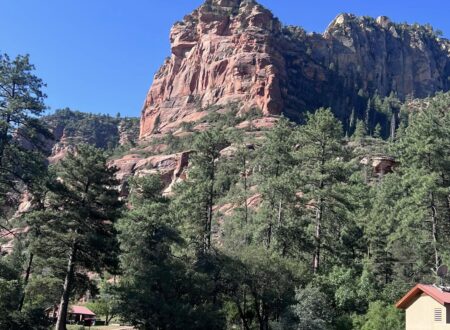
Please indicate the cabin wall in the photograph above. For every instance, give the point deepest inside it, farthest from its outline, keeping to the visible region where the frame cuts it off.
(420, 315)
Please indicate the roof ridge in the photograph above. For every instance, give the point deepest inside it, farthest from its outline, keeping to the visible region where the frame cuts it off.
(441, 296)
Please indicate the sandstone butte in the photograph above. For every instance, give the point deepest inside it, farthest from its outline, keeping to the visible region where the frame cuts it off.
(236, 51)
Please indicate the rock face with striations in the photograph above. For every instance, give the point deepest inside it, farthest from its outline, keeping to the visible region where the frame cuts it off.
(236, 51)
(222, 53)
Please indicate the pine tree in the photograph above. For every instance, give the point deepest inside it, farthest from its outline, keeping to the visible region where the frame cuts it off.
(22, 163)
(239, 169)
(368, 115)
(197, 196)
(275, 163)
(360, 131)
(83, 206)
(377, 131)
(159, 287)
(423, 151)
(321, 171)
(380, 223)
(21, 134)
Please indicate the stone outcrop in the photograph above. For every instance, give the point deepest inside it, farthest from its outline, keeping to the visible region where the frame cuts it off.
(7, 237)
(381, 164)
(172, 168)
(70, 128)
(237, 52)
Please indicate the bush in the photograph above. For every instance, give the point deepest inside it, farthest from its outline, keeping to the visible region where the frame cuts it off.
(29, 320)
(380, 316)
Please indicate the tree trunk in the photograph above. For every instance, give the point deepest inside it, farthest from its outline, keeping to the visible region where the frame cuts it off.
(2, 147)
(280, 213)
(242, 315)
(5, 131)
(4, 138)
(434, 231)
(108, 318)
(319, 214)
(258, 312)
(265, 316)
(318, 237)
(393, 126)
(209, 220)
(25, 281)
(63, 307)
(245, 191)
(210, 207)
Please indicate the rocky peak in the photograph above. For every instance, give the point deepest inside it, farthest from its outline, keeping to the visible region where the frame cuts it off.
(236, 52)
(351, 24)
(341, 19)
(224, 3)
(229, 4)
(383, 21)
(222, 53)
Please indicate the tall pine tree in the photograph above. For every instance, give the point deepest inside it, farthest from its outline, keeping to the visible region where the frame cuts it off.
(321, 172)
(83, 207)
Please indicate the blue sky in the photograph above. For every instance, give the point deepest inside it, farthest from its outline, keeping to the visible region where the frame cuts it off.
(100, 55)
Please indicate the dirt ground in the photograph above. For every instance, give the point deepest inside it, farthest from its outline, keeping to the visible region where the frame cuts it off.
(106, 327)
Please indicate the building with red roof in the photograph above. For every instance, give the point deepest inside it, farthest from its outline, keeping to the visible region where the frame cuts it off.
(427, 307)
(75, 314)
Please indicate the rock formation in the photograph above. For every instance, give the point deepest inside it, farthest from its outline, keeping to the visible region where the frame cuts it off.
(236, 51)
(70, 128)
(172, 168)
(222, 53)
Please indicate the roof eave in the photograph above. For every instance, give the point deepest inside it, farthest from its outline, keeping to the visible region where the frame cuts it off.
(419, 288)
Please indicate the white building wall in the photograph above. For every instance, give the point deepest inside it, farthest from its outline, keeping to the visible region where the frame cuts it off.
(420, 315)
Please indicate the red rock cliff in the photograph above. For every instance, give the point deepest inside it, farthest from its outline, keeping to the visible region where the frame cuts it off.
(222, 53)
(235, 51)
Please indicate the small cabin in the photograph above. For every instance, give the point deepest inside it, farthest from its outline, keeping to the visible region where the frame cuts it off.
(78, 314)
(427, 307)
(75, 314)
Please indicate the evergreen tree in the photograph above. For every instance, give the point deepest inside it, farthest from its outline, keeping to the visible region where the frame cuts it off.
(159, 290)
(321, 172)
(368, 115)
(377, 131)
(424, 154)
(83, 206)
(21, 103)
(275, 163)
(22, 163)
(198, 194)
(379, 225)
(238, 229)
(360, 131)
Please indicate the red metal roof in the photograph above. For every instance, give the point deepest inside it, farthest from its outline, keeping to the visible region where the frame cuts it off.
(81, 310)
(434, 292)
